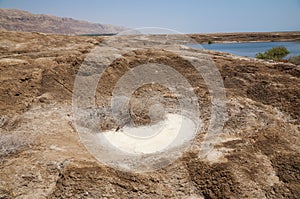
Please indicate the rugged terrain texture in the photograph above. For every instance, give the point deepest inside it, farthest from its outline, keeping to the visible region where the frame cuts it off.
(41, 155)
(18, 20)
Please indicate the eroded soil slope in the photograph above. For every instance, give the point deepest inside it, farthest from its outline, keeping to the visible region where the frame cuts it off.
(41, 156)
(19, 20)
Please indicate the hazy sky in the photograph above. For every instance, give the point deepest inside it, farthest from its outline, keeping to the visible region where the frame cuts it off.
(187, 16)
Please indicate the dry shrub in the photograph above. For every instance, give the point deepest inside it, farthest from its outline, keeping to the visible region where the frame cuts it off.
(13, 143)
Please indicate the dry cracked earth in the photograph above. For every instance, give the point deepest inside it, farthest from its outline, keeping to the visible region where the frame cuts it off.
(41, 156)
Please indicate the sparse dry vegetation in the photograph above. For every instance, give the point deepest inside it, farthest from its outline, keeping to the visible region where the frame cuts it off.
(13, 143)
(295, 59)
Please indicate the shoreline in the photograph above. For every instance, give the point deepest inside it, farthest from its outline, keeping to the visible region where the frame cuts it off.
(246, 37)
(202, 38)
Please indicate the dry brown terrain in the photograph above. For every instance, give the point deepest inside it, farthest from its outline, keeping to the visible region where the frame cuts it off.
(41, 155)
(19, 20)
(247, 37)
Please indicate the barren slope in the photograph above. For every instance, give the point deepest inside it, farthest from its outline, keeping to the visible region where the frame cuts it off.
(18, 20)
(42, 157)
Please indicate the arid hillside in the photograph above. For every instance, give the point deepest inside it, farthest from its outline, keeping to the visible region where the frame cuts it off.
(18, 20)
(257, 155)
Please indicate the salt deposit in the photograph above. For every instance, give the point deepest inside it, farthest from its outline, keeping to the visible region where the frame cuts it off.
(171, 132)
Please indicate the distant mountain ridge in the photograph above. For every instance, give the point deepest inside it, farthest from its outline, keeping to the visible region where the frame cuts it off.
(19, 20)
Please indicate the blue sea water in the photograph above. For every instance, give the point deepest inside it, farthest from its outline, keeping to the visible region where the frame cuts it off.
(250, 49)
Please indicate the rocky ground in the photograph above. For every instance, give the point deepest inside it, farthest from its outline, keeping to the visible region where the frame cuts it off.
(41, 156)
